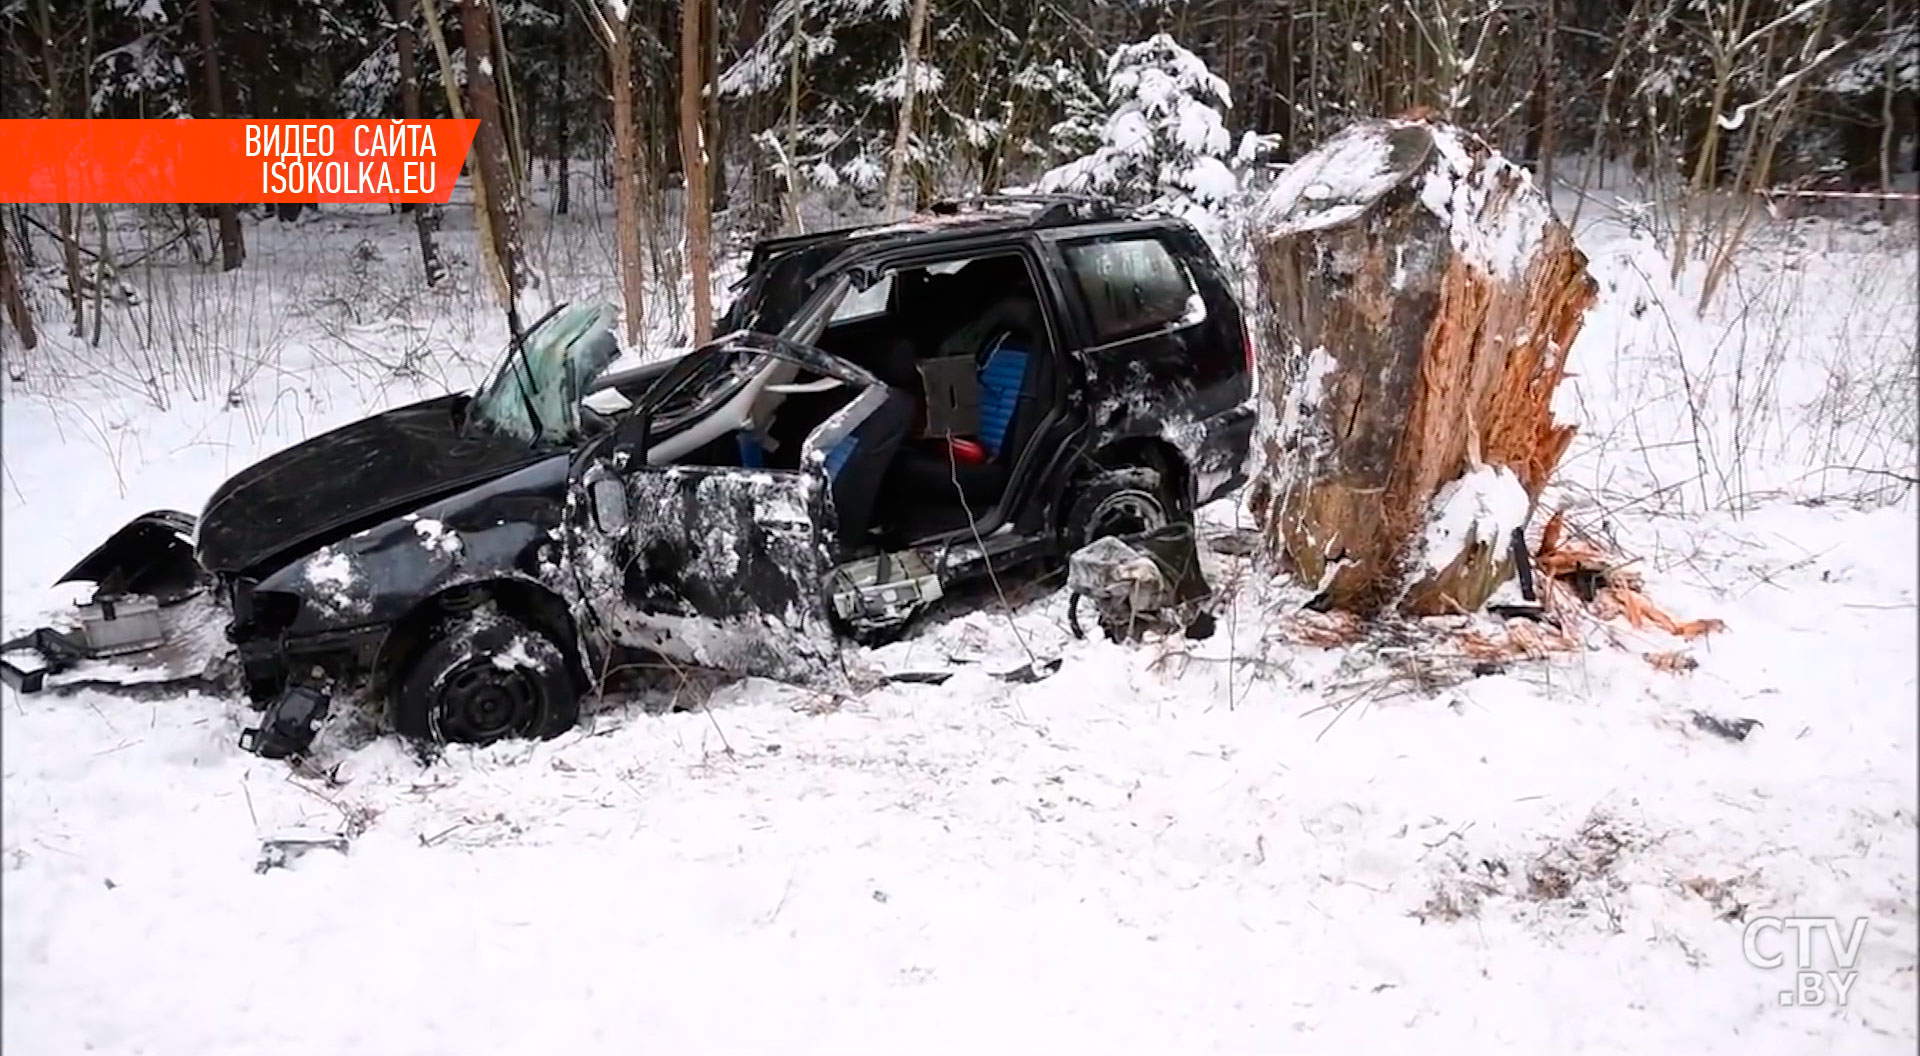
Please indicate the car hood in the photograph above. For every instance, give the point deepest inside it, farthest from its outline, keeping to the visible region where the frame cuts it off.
(356, 475)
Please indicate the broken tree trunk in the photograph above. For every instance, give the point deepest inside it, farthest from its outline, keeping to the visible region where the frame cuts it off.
(1419, 299)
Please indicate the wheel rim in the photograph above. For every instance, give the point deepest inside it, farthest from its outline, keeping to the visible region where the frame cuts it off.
(480, 702)
(1126, 513)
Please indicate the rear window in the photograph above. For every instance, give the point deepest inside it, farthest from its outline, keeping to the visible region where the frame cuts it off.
(1132, 286)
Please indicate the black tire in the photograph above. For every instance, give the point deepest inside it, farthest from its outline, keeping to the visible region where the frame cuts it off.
(1121, 502)
(483, 677)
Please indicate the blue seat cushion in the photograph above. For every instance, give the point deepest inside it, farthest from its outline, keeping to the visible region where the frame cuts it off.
(752, 454)
(838, 454)
(1003, 381)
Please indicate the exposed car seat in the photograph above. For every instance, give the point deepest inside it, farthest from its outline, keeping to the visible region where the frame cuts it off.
(1003, 381)
(1009, 344)
(857, 464)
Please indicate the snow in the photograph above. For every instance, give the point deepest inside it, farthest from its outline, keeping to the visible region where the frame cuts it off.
(1484, 506)
(1495, 216)
(1310, 388)
(1332, 184)
(331, 570)
(1164, 139)
(1210, 180)
(1895, 58)
(515, 655)
(1223, 845)
(1313, 383)
(436, 536)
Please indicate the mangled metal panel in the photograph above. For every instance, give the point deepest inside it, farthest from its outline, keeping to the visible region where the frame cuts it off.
(716, 566)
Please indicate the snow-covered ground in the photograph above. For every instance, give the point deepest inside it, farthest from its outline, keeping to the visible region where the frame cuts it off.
(1254, 845)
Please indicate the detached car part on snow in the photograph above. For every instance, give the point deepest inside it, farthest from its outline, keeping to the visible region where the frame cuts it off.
(893, 411)
(144, 575)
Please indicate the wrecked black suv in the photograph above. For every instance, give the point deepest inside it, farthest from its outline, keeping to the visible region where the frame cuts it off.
(892, 411)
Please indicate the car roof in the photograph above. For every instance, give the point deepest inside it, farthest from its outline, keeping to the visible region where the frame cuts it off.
(955, 219)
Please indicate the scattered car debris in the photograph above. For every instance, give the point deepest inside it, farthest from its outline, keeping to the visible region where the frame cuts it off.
(47, 652)
(1604, 586)
(1580, 588)
(1030, 672)
(1731, 729)
(142, 575)
(288, 725)
(1138, 582)
(928, 678)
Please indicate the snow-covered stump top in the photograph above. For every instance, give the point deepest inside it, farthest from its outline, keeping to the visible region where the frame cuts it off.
(1417, 297)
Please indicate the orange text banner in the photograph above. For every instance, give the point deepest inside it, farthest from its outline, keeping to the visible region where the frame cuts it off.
(231, 160)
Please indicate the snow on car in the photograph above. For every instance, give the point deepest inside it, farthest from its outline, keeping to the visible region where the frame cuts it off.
(891, 412)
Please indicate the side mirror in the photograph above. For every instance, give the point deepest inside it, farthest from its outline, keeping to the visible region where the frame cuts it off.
(611, 515)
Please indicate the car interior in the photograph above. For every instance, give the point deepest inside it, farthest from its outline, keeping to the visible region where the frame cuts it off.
(917, 329)
(974, 327)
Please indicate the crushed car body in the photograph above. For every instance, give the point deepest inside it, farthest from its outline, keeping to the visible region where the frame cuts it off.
(891, 412)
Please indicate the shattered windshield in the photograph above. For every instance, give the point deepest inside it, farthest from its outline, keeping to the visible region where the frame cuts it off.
(534, 394)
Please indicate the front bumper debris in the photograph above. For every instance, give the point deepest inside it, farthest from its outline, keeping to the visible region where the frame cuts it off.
(148, 615)
(289, 724)
(56, 652)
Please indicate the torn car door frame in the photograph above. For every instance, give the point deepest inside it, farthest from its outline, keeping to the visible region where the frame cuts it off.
(723, 566)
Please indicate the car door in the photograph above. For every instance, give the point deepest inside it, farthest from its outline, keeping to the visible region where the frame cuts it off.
(720, 566)
(1144, 326)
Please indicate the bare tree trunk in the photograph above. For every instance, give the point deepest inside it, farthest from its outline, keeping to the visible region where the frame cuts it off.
(233, 248)
(712, 122)
(23, 241)
(1886, 119)
(618, 37)
(1593, 165)
(496, 197)
(426, 216)
(430, 16)
(562, 107)
(16, 304)
(792, 159)
(512, 118)
(63, 212)
(1548, 110)
(916, 25)
(102, 264)
(693, 161)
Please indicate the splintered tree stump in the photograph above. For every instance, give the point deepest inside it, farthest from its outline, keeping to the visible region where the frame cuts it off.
(1419, 300)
